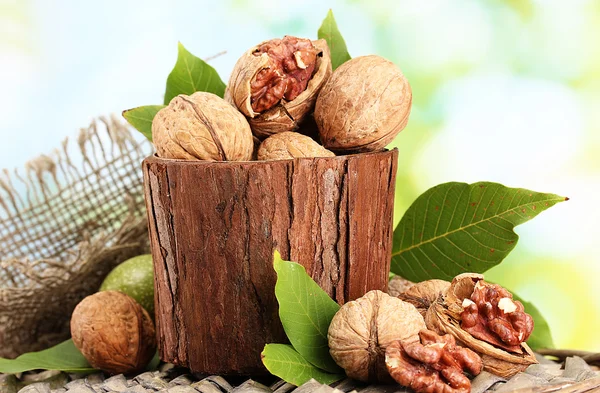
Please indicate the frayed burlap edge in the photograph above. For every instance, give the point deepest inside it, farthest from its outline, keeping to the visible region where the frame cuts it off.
(39, 292)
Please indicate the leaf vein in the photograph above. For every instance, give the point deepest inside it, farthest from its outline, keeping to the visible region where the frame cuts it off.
(462, 228)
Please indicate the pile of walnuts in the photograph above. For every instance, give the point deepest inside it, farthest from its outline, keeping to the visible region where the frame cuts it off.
(282, 100)
(433, 335)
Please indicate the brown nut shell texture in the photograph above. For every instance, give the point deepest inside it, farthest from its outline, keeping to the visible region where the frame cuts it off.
(425, 293)
(446, 316)
(287, 145)
(275, 83)
(398, 285)
(202, 126)
(361, 331)
(363, 106)
(113, 332)
(435, 364)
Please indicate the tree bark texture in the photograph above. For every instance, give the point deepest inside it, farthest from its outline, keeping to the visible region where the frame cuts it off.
(214, 227)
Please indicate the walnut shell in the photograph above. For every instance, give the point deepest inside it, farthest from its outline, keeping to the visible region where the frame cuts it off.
(202, 126)
(288, 145)
(444, 316)
(363, 106)
(285, 115)
(113, 332)
(423, 294)
(361, 331)
(398, 285)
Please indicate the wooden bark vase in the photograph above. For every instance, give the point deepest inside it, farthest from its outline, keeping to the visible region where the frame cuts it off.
(214, 227)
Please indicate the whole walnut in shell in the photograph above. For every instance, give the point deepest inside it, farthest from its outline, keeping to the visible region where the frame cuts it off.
(398, 285)
(446, 314)
(363, 106)
(202, 126)
(425, 293)
(361, 331)
(275, 83)
(287, 145)
(113, 332)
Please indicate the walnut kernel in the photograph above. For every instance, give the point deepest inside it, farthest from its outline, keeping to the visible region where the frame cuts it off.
(435, 364)
(275, 83)
(493, 316)
(447, 315)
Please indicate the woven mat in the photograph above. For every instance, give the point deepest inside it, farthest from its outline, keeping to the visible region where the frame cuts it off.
(572, 376)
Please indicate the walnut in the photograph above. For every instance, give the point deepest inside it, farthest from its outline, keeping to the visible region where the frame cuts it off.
(287, 145)
(423, 294)
(363, 106)
(292, 62)
(113, 332)
(398, 285)
(491, 315)
(446, 315)
(275, 83)
(202, 126)
(435, 364)
(361, 331)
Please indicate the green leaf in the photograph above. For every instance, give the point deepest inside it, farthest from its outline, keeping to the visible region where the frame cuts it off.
(329, 31)
(64, 356)
(141, 118)
(192, 74)
(305, 311)
(154, 362)
(541, 336)
(284, 362)
(457, 227)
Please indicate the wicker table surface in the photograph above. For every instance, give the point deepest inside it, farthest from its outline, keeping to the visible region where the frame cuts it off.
(573, 375)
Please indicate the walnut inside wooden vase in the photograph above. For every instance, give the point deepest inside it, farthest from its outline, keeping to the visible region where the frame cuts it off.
(275, 83)
(363, 106)
(287, 145)
(202, 126)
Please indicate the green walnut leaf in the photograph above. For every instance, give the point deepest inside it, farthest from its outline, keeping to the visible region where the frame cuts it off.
(192, 74)
(141, 118)
(64, 357)
(305, 311)
(337, 46)
(154, 362)
(284, 362)
(457, 227)
(541, 336)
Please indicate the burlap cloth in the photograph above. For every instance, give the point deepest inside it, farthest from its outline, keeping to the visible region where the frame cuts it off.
(66, 219)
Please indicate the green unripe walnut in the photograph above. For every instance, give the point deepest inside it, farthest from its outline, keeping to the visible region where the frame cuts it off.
(134, 277)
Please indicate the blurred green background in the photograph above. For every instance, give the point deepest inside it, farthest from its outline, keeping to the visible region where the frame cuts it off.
(505, 90)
